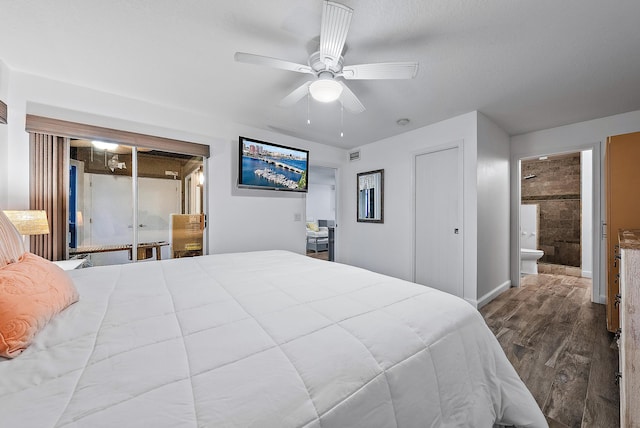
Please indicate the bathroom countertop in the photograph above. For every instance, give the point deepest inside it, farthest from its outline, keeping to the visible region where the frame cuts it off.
(629, 239)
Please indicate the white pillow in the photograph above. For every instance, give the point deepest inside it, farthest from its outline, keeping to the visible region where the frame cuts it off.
(11, 245)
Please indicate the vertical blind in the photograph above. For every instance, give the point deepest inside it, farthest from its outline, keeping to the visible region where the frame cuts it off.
(3, 112)
(49, 189)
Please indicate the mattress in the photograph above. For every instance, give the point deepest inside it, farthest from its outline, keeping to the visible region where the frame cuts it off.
(261, 339)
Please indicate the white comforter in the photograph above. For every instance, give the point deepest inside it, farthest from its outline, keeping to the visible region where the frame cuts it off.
(264, 339)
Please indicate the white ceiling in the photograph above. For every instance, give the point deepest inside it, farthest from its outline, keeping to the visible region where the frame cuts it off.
(527, 64)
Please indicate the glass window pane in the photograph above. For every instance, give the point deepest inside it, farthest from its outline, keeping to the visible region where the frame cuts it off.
(101, 207)
(169, 184)
(100, 202)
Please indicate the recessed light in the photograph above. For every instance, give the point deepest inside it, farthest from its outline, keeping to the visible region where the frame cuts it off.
(403, 122)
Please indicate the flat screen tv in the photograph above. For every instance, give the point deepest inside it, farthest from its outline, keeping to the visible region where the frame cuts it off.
(272, 166)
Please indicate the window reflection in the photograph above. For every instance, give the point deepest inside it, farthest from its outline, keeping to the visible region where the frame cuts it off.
(101, 207)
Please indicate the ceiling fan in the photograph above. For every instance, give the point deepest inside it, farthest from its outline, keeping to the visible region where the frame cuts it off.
(327, 64)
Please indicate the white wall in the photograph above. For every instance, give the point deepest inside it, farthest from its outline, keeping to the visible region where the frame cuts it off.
(586, 226)
(580, 136)
(257, 219)
(240, 219)
(388, 248)
(493, 210)
(321, 202)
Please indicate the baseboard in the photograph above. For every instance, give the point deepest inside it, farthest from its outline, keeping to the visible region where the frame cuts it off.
(493, 293)
(473, 303)
(587, 274)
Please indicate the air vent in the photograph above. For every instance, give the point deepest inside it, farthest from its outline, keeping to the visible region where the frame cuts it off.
(354, 156)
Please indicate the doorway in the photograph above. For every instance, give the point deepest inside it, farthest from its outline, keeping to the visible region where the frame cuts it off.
(321, 212)
(556, 210)
(438, 249)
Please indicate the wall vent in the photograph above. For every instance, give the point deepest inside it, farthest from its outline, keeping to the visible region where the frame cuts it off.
(354, 156)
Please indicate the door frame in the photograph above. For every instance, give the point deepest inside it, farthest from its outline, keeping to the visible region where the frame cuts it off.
(597, 289)
(459, 144)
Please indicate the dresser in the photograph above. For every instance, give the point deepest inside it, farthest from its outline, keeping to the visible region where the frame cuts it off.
(629, 342)
(622, 176)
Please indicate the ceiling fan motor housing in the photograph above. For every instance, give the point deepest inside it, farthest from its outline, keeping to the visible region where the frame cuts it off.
(319, 66)
(327, 64)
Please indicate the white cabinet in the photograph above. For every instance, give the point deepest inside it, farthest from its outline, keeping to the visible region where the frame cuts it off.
(630, 328)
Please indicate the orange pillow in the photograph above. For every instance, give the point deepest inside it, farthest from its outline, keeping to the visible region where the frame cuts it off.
(32, 292)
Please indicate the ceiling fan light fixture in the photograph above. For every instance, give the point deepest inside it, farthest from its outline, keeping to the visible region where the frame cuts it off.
(325, 90)
(101, 145)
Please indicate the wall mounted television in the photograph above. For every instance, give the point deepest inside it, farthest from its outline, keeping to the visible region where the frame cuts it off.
(271, 166)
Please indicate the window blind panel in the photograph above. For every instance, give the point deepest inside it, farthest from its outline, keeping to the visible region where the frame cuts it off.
(3, 112)
(46, 125)
(49, 182)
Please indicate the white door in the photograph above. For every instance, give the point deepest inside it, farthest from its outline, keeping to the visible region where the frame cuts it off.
(438, 221)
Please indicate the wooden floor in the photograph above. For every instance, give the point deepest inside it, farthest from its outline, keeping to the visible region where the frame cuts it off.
(322, 255)
(558, 343)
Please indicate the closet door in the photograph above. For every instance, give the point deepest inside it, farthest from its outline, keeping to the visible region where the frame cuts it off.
(622, 159)
(438, 220)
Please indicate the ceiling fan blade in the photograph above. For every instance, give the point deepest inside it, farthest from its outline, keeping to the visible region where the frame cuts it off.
(336, 19)
(296, 95)
(272, 62)
(384, 70)
(350, 101)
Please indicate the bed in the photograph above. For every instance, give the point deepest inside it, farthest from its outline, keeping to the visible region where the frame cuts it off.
(261, 339)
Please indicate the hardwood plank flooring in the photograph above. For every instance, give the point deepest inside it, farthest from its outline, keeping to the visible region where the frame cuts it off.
(558, 342)
(322, 255)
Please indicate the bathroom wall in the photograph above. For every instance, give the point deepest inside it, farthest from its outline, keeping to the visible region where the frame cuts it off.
(529, 226)
(556, 189)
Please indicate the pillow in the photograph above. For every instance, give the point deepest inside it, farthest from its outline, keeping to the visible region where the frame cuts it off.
(32, 292)
(312, 225)
(11, 245)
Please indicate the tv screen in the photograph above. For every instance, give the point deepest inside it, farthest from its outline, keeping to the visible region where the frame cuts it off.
(272, 166)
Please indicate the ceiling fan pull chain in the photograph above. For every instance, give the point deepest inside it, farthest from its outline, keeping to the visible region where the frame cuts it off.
(308, 118)
(341, 119)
